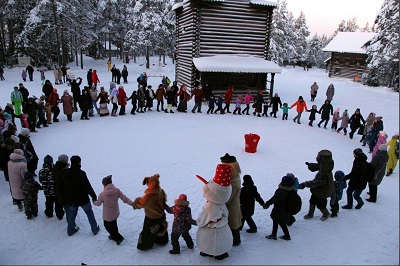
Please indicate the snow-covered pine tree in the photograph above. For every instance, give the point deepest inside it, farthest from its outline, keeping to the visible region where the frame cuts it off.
(383, 50)
(302, 32)
(283, 36)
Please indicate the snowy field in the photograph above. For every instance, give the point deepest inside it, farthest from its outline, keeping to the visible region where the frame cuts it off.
(178, 146)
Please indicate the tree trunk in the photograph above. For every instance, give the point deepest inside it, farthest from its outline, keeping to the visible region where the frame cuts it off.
(147, 58)
(63, 46)
(81, 58)
(57, 38)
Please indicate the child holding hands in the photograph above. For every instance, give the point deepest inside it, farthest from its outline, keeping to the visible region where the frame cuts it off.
(182, 223)
(109, 197)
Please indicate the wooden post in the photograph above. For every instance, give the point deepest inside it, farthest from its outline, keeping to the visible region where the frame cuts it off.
(271, 86)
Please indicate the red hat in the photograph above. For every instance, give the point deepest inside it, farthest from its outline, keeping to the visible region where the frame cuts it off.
(223, 175)
(54, 90)
(182, 197)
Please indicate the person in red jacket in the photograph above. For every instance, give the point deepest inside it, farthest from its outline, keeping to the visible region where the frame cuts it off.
(53, 100)
(95, 78)
(122, 99)
(301, 106)
(228, 99)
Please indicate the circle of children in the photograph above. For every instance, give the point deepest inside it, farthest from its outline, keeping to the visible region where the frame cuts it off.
(227, 205)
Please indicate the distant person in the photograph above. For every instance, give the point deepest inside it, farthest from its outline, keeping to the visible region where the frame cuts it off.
(326, 111)
(301, 106)
(30, 70)
(275, 101)
(314, 90)
(330, 92)
(95, 78)
(1, 73)
(355, 122)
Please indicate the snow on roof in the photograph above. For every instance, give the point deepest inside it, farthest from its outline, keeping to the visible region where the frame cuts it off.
(349, 42)
(177, 5)
(264, 3)
(235, 64)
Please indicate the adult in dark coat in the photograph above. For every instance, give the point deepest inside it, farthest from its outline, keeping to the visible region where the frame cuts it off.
(27, 146)
(47, 89)
(89, 78)
(258, 102)
(30, 109)
(124, 74)
(76, 91)
(25, 94)
(248, 196)
(378, 162)
(118, 76)
(175, 90)
(358, 180)
(322, 186)
(134, 100)
(355, 122)
(275, 103)
(326, 111)
(207, 91)
(59, 172)
(85, 103)
(78, 190)
(149, 95)
(279, 214)
(30, 70)
(6, 149)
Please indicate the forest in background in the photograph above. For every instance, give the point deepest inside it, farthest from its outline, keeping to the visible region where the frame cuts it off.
(58, 32)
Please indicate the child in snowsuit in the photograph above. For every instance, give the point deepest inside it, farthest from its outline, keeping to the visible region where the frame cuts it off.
(312, 111)
(335, 119)
(340, 184)
(109, 198)
(211, 104)
(265, 110)
(46, 177)
(30, 188)
(345, 122)
(238, 105)
(285, 109)
(24, 75)
(279, 214)
(248, 196)
(219, 105)
(182, 223)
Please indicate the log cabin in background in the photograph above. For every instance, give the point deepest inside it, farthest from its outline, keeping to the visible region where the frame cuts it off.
(348, 58)
(225, 43)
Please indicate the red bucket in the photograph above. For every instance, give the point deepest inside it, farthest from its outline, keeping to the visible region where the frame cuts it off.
(251, 142)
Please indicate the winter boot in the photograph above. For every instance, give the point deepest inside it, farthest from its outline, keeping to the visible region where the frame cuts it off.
(310, 213)
(236, 237)
(325, 215)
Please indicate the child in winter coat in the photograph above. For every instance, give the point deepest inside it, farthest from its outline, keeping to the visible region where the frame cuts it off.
(381, 140)
(340, 184)
(109, 198)
(285, 109)
(219, 105)
(24, 120)
(312, 111)
(30, 188)
(23, 75)
(248, 196)
(182, 223)
(46, 177)
(335, 119)
(211, 104)
(247, 100)
(345, 122)
(279, 214)
(265, 110)
(238, 104)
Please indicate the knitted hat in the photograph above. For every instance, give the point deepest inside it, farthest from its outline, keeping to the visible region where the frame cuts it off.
(54, 90)
(382, 147)
(25, 132)
(9, 105)
(223, 175)
(63, 158)
(75, 160)
(182, 197)
(19, 151)
(288, 180)
(15, 138)
(7, 115)
(106, 180)
(300, 97)
(228, 158)
(28, 176)
(48, 159)
(396, 134)
(339, 175)
(358, 152)
(358, 110)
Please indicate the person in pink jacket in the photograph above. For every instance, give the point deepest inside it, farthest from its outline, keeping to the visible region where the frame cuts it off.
(247, 100)
(95, 78)
(109, 198)
(301, 106)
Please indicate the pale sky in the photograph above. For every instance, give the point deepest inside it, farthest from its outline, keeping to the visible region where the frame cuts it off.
(324, 16)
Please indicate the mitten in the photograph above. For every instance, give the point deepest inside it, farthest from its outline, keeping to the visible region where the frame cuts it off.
(265, 206)
(307, 163)
(300, 186)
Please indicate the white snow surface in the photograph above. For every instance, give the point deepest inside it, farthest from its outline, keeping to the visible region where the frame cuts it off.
(235, 63)
(349, 42)
(178, 146)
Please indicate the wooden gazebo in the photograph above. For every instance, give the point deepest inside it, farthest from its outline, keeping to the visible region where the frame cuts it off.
(224, 43)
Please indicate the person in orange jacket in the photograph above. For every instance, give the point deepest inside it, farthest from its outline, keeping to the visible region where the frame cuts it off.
(95, 78)
(301, 106)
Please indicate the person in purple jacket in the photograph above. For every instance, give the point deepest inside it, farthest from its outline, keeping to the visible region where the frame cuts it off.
(182, 223)
(109, 198)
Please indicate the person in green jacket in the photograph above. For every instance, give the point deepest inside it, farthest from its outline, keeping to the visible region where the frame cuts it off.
(16, 100)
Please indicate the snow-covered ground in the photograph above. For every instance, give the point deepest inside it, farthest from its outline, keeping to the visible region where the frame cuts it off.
(178, 146)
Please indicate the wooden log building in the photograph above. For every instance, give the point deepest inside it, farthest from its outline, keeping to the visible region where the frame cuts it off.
(348, 58)
(224, 43)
